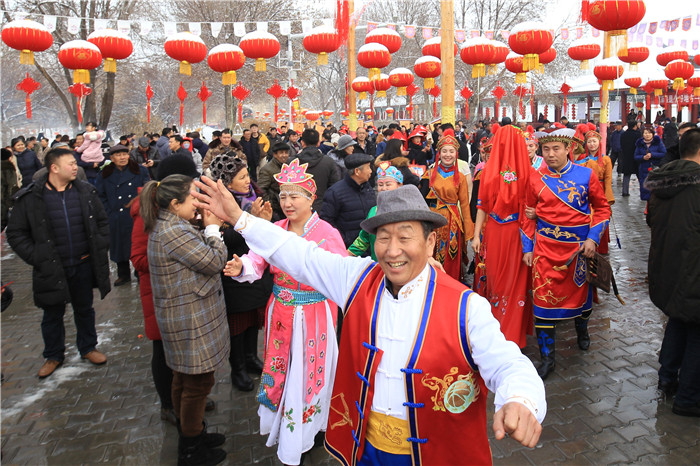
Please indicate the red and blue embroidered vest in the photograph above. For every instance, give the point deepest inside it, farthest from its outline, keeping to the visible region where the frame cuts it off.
(446, 395)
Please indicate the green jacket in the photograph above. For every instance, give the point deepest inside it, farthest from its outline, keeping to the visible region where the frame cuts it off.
(364, 240)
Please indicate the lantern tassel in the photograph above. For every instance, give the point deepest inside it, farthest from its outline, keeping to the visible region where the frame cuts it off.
(26, 57)
(322, 59)
(402, 90)
(362, 96)
(633, 66)
(204, 113)
(110, 65)
(81, 76)
(260, 64)
(381, 94)
(633, 90)
(228, 78)
(148, 111)
(240, 111)
(585, 65)
(182, 112)
(520, 78)
(479, 70)
(79, 107)
(374, 74)
(428, 83)
(186, 69)
(678, 84)
(696, 91)
(28, 104)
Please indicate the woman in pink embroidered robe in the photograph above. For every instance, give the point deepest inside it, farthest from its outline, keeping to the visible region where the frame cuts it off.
(301, 349)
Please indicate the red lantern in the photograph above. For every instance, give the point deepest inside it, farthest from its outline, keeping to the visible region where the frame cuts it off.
(385, 36)
(694, 82)
(634, 55)
(671, 53)
(226, 59)
(514, 64)
(322, 40)
(633, 81)
(411, 90)
(679, 71)
(28, 85)
(240, 93)
(203, 94)
(400, 78)
(530, 39)
(501, 52)
(583, 50)
(466, 93)
(368, 113)
(565, 89)
(327, 113)
(28, 37)
(80, 56)
(187, 48)
(345, 113)
(276, 92)
(260, 46)
(381, 85)
(696, 59)
(182, 95)
(293, 94)
(312, 115)
(435, 92)
(113, 45)
(432, 47)
(362, 85)
(478, 52)
(498, 92)
(547, 58)
(79, 90)
(659, 84)
(373, 56)
(149, 96)
(613, 16)
(389, 111)
(428, 68)
(607, 71)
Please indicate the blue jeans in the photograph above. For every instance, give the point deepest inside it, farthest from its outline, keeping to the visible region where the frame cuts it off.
(680, 352)
(79, 280)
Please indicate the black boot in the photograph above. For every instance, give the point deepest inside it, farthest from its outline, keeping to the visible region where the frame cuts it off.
(584, 340)
(210, 440)
(546, 338)
(239, 377)
(192, 451)
(253, 364)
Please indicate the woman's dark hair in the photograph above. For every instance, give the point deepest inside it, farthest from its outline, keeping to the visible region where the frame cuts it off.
(91, 123)
(15, 141)
(158, 195)
(393, 149)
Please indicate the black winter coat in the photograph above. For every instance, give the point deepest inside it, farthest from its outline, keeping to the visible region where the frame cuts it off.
(345, 205)
(28, 163)
(626, 162)
(325, 171)
(30, 236)
(674, 251)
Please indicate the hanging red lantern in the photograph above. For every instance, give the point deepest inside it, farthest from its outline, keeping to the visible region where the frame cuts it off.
(362, 85)
(187, 48)
(226, 59)
(368, 113)
(530, 39)
(583, 50)
(573, 111)
(182, 95)
(514, 64)
(488, 113)
(327, 113)
(276, 92)
(389, 111)
(266, 115)
(694, 82)
(521, 92)
(400, 78)
(203, 94)
(696, 59)
(546, 58)
(113, 45)
(679, 71)
(411, 90)
(565, 89)
(293, 94)
(614, 17)
(312, 115)
(671, 53)
(466, 93)
(659, 84)
(344, 113)
(435, 92)
(500, 54)
(385, 36)
(498, 92)
(80, 56)
(240, 93)
(608, 70)
(639, 105)
(28, 85)
(373, 56)
(478, 52)
(79, 90)
(433, 46)
(634, 55)
(633, 81)
(260, 46)
(382, 85)
(28, 37)
(428, 68)
(149, 96)
(321, 40)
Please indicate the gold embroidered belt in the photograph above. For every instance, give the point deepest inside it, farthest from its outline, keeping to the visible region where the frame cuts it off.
(389, 434)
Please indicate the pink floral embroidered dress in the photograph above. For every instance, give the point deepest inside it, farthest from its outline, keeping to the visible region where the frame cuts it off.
(301, 351)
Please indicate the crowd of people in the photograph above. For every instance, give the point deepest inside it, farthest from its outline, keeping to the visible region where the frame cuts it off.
(351, 250)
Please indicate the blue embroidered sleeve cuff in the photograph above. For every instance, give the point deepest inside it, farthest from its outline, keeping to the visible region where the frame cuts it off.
(596, 231)
(528, 243)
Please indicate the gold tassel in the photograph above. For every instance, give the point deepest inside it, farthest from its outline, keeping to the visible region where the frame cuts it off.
(81, 76)
(696, 91)
(260, 64)
(479, 70)
(633, 66)
(26, 57)
(110, 65)
(428, 83)
(185, 68)
(374, 74)
(531, 61)
(520, 78)
(658, 92)
(228, 78)
(678, 84)
(381, 94)
(585, 65)
(322, 59)
(402, 90)
(633, 90)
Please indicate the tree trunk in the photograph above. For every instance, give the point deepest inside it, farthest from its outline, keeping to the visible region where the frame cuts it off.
(107, 101)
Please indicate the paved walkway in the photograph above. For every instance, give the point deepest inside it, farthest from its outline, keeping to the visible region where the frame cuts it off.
(603, 405)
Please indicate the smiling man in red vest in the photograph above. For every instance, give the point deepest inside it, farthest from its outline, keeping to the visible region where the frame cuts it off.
(419, 350)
